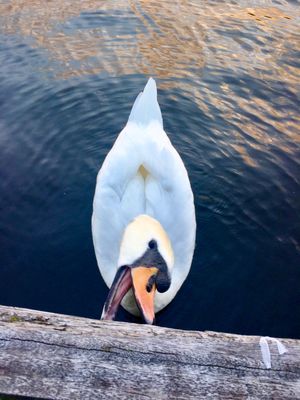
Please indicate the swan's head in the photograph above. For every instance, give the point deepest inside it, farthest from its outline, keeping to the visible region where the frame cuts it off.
(145, 265)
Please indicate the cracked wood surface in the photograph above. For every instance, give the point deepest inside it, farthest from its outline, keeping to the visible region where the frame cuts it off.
(54, 356)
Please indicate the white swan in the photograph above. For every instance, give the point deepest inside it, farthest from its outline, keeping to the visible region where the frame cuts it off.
(143, 219)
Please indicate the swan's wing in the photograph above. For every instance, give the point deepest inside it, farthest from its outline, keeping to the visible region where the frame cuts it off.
(123, 191)
(115, 205)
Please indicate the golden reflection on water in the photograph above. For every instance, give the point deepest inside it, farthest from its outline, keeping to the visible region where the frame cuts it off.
(168, 39)
(171, 41)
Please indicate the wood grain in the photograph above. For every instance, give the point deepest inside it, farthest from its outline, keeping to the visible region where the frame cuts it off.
(53, 356)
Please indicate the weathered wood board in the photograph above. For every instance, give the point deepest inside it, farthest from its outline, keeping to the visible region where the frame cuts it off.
(53, 356)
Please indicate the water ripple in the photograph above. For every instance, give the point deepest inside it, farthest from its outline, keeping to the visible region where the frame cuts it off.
(228, 74)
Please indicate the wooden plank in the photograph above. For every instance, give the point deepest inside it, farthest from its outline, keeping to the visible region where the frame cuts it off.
(53, 356)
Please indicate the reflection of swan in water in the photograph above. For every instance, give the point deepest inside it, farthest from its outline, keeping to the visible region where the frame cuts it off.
(144, 218)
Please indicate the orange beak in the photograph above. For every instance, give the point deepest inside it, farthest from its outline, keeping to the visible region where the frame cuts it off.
(144, 294)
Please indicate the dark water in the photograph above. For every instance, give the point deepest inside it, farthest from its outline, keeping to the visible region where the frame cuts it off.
(228, 75)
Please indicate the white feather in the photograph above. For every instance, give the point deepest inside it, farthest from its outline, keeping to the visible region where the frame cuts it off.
(280, 347)
(122, 193)
(265, 352)
(146, 108)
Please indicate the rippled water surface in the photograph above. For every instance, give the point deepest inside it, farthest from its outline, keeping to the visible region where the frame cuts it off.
(228, 74)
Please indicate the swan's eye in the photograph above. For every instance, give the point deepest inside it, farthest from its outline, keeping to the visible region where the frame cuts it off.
(152, 244)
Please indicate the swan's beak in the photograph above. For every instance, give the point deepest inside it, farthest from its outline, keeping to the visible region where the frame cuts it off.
(143, 282)
(120, 286)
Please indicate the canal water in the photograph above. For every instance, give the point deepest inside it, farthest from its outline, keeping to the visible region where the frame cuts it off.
(228, 75)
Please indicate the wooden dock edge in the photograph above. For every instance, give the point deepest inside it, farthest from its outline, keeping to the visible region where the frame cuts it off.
(52, 356)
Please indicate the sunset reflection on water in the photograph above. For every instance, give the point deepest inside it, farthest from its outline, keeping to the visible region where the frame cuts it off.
(228, 76)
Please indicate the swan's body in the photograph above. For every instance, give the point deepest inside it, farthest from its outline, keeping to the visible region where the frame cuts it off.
(144, 175)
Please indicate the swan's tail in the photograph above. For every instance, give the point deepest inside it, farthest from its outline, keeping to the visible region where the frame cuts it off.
(146, 108)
